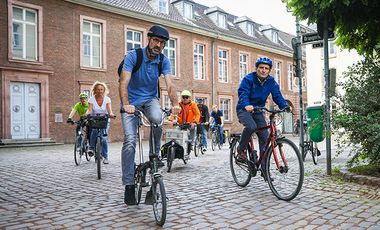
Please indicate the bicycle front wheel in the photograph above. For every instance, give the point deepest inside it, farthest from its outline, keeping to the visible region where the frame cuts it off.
(78, 149)
(239, 170)
(196, 145)
(170, 157)
(315, 153)
(213, 141)
(98, 155)
(285, 179)
(159, 205)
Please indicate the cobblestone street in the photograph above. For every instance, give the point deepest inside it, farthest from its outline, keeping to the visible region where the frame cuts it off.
(42, 188)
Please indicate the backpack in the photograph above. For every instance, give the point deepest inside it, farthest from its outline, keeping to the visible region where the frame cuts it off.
(139, 59)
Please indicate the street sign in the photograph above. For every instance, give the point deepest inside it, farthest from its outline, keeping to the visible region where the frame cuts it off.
(318, 45)
(311, 38)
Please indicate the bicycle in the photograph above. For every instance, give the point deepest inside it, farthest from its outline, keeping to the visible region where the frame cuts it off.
(283, 171)
(156, 196)
(215, 137)
(309, 146)
(98, 123)
(81, 142)
(198, 147)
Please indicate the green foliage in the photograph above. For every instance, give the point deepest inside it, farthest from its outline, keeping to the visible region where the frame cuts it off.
(356, 21)
(359, 111)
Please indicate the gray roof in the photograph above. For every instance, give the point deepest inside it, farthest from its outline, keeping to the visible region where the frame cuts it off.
(203, 21)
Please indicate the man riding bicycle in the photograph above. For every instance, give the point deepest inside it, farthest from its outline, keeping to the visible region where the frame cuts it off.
(253, 92)
(139, 89)
(217, 121)
(203, 120)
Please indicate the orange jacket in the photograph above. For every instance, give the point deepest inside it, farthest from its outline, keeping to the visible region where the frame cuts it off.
(189, 113)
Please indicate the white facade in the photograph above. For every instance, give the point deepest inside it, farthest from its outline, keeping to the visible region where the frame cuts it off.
(338, 59)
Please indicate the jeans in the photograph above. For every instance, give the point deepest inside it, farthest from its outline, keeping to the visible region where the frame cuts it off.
(203, 131)
(103, 139)
(153, 112)
(251, 122)
(220, 130)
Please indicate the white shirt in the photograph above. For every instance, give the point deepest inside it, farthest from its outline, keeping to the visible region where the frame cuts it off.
(96, 109)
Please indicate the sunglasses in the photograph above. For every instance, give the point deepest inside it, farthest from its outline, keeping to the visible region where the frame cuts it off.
(185, 97)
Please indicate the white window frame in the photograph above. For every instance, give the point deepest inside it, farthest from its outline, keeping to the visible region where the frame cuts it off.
(170, 52)
(199, 61)
(37, 10)
(222, 20)
(135, 43)
(290, 77)
(188, 11)
(277, 72)
(163, 6)
(250, 29)
(223, 65)
(275, 36)
(243, 65)
(223, 103)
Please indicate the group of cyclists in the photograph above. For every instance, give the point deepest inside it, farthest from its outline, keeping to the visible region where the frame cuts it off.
(138, 89)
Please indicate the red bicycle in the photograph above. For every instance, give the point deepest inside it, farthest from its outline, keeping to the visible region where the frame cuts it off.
(283, 168)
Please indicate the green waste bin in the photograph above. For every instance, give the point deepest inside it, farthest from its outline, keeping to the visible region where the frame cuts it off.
(315, 125)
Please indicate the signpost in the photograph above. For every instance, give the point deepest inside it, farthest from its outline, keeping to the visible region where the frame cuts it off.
(311, 38)
(317, 45)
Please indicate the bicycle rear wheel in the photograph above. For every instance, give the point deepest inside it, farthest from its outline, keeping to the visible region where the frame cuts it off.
(286, 180)
(240, 171)
(159, 205)
(213, 141)
(98, 155)
(138, 185)
(170, 157)
(196, 145)
(78, 151)
(315, 153)
(85, 147)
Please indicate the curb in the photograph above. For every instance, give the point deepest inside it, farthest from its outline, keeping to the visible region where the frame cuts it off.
(360, 179)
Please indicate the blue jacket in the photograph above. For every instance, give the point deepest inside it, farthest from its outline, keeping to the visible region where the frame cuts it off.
(252, 92)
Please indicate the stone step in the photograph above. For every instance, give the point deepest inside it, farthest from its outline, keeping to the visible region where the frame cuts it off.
(10, 143)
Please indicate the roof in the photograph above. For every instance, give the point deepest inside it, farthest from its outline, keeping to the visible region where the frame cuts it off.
(202, 21)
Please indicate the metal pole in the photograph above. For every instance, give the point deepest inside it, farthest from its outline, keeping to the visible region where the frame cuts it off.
(299, 75)
(327, 95)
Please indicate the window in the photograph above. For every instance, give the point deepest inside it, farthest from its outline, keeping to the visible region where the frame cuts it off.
(243, 65)
(225, 106)
(275, 36)
(332, 49)
(199, 68)
(223, 62)
(166, 102)
(290, 77)
(92, 44)
(24, 33)
(188, 10)
(222, 21)
(250, 30)
(134, 39)
(163, 6)
(170, 52)
(277, 72)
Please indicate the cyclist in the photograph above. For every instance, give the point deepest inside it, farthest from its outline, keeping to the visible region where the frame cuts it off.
(80, 108)
(99, 104)
(205, 117)
(253, 92)
(189, 114)
(217, 121)
(140, 90)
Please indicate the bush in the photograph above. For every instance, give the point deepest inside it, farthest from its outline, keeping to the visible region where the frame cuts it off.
(358, 111)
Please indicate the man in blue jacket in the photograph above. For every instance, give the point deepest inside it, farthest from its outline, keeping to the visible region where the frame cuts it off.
(253, 92)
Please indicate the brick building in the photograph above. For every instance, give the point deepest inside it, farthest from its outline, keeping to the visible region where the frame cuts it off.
(52, 50)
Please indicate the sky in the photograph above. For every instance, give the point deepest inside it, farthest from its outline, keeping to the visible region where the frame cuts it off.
(261, 11)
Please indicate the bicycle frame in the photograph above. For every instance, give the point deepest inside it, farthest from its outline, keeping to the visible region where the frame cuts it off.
(269, 142)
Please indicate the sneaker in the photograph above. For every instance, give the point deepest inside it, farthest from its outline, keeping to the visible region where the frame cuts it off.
(129, 195)
(204, 149)
(160, 163)
(241, 156)
(105, 161)
(90, 152)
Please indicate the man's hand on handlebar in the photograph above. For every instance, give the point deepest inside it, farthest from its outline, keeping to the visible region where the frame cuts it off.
(249, 108)
(129, 109)
(176, 110)
(70, 121)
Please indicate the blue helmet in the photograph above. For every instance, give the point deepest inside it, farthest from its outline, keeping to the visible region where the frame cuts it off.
(264, 60)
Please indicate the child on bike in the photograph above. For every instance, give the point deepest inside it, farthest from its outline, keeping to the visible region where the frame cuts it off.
(80, 108)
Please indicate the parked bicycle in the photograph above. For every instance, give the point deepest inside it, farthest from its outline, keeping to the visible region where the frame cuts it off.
(98, 123)
(283, 168)
(81, 142)
(310, 147)
(156, 196)
(215, 137)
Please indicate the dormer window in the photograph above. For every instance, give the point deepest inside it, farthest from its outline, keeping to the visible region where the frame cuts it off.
(163, 6)
(275, 37)
(246, 25)
(221, 22)
(250, 29)
(188, 10)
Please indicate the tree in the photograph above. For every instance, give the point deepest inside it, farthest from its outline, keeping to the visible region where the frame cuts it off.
(356, 21)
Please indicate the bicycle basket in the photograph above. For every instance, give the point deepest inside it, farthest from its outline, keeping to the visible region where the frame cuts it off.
(98, 122)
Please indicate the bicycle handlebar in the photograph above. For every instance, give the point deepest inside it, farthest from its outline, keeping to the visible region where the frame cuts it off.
(274, 111)
(146, 122)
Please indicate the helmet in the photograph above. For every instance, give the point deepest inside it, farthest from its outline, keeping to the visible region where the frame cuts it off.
(264, 60)
(158, 31)
(82, 95)
(186, 93)
(200, 99)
